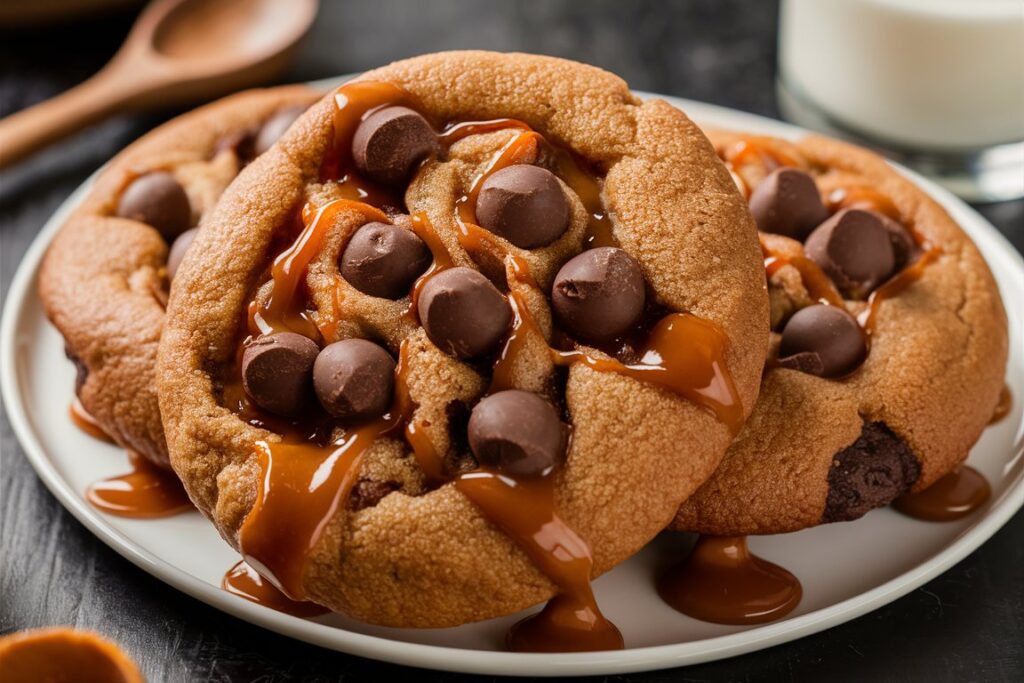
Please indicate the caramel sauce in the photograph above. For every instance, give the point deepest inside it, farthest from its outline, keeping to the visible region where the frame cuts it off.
(458, 131)
(524, 509)
(896, 284)
(442, 259)
(724, 583)
(52, 655)
(952, 497)
(245, 582)
(818, 284)
(1004, 405)
(86, 422)
(862, 197)
(145, 492)
(757, 149)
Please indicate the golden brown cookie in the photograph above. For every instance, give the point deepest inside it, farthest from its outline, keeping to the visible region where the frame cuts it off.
(463, 509)
(886, 388)
(104, 282)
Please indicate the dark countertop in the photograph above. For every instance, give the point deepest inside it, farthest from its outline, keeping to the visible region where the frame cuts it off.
(965, 625)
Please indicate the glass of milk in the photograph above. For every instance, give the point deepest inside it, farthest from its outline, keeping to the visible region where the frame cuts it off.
(935, 84)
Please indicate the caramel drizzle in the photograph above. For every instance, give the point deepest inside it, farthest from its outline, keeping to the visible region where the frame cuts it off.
(147, 491)
(896, 284)
(818, 284)
(81, 418)
(952, 497)
(245, 582)
(724, 583)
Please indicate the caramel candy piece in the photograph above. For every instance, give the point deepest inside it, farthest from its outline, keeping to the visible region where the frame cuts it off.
(159, 200)
(274, 127)
(854, 248)
(788, 203)
(354, 379)
(463, 313)
(389, 144)
(823, 340)
(518, 433)
(525, 205)
(384, 260)
(277, 372)
(599, 294)
(178, 250)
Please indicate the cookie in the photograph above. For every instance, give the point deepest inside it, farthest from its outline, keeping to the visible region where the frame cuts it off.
(105, 279)
(889, 342)
(526, 446)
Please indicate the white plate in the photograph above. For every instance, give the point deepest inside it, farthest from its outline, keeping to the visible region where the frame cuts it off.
(840, 581)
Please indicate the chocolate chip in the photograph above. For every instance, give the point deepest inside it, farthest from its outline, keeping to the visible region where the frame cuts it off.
(389, 143)
(178, 249)
(787, 202)
(274, 127)
(277, 371)
(463, 313)
(827, 332)
(159, 200)
(525, 205)
(855, 250)
(354, 379)
(873, 471)
(518, 433)
(599, 294)
(904, 248)
(384, 260)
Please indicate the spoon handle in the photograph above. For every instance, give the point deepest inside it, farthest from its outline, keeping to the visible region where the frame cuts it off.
(28, 130)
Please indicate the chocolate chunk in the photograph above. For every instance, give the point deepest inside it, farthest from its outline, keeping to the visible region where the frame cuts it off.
(178, 249)
(463, 313)
(274, 127)
(518, 433)
(384, 260)
(855, 250)
(159, 200)
(787, 203)
(525, 205)
(904, 248)
(354, 379)
(389, 144)
(827, 332)
(277, 372)
(599, 294)
(873, 471)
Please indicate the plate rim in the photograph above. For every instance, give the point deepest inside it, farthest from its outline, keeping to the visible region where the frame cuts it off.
(484, 661)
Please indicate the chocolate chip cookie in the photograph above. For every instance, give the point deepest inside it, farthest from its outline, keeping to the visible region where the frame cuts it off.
(889, 342)
(465, 338)
(104, 282)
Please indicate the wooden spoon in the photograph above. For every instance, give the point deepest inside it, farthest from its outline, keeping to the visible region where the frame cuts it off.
(178, 51)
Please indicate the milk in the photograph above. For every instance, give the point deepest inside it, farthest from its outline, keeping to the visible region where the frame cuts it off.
(916, 74)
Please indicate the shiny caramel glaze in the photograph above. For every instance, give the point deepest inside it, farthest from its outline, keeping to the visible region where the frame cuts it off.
(893, 286)
(818, 284)
(146, 491)
(724, 583)
(86, 422)
(245, 582)
(955, 495)
(1004, 406)
(54, 655)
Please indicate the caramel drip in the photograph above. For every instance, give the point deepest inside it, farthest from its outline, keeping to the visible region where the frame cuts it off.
(245, 582)
(760, 150)
(724, 583)
(442, 259)
(524, 509)
(1004, 405)
(862, 197)
(86, 422)
(285, 310)
(585, 184)
(818, 284)
(52, 655)
(955, 495)
(896, 284)
(458, 131)
(146, 492)
(515, 343)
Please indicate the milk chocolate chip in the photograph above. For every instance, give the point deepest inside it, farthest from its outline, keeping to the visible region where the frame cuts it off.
(389, 143)
(855, 250)
(159, 200)
(599, 294)
(822, 340)
(178, 249)
(354, 379)
(871, 472)
(274, 127)
(463, 313)
(525, 205)
(518, 433)
(384, 260)
(904, 248)
(277, 372)
(787, 203)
